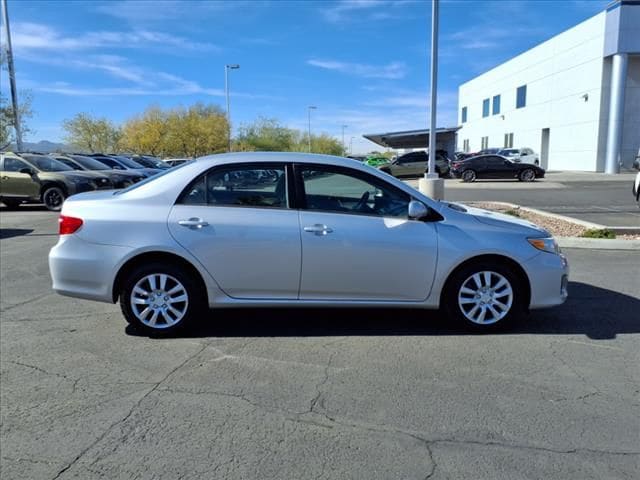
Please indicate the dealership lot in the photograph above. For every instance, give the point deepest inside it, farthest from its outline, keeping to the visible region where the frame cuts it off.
(315, 393)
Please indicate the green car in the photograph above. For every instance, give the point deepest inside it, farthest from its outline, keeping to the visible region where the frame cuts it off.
(376, 161)
(35, 178)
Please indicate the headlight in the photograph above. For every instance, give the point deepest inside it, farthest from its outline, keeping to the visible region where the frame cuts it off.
(545, 244)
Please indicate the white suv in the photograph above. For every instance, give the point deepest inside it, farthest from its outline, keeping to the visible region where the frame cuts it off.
(523, 155)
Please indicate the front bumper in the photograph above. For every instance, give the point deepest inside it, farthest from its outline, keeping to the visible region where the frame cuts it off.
(85, 270)
(549, 278)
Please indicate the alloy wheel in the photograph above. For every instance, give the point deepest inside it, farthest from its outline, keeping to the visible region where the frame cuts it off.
(485, 297)
(159, 301)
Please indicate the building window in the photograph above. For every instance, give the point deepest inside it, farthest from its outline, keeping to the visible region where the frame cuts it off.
(508, 140)
(465, 145)
(484, 143)
(464, 114)
(496, 105)
(485, 108)
(521, 96)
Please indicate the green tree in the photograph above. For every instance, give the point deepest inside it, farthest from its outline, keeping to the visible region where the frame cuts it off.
(92, 134)
(266, 135)
(146, 133)
(196, 131)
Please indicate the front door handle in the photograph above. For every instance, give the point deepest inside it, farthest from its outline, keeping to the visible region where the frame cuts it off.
(193, 223)
(318, 229)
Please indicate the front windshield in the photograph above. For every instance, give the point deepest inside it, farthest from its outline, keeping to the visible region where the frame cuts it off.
(47, 164)
(152, 178)
(90, 163)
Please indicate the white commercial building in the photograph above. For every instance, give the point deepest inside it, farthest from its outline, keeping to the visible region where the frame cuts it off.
(574, 99)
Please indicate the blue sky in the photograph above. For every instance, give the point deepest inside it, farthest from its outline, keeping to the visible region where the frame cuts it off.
(363, 63)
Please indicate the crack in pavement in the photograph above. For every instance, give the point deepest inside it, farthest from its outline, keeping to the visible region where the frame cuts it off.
(26, 302)
(129, 413)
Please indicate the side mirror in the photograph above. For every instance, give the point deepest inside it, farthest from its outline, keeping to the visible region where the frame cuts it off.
(417, 210)
(28, 171)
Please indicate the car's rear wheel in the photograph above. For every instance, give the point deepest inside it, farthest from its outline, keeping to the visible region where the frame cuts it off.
(469, 176)
(484, 296)
(53, 198)
(527, 175)
(161, 299)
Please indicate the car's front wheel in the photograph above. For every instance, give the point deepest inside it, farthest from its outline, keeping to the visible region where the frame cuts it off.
(469, 176)
(159, 298)
(484, 296)
(53, 198)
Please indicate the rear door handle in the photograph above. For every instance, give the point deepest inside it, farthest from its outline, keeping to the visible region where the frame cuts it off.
(193, 223)
(318, 229)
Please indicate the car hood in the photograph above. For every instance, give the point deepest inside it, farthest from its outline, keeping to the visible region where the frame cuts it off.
(501, 220)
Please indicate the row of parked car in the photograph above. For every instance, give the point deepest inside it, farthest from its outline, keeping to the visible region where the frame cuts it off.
(29, 177)
(469, 167)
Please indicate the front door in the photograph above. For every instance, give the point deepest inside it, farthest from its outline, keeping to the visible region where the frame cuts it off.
(237, 222)
(357, 242)
(16, 184)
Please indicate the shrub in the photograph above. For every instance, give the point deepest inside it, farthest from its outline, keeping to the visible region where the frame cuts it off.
(598, 233)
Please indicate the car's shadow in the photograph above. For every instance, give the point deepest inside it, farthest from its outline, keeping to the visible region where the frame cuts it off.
(14, 232)
(596, 312)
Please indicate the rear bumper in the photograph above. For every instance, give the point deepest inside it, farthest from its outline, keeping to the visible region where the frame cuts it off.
(549, 278)
(84, 270)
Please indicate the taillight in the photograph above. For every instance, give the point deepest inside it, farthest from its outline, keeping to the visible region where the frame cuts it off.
(68, 225)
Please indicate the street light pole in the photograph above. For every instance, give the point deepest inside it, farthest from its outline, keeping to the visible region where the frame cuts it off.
(309, 108)
(12, 79)
(234, 66)
(351, 145)
(431, 185)
(344, 147)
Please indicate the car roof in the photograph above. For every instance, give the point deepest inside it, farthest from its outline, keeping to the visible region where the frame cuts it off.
(297, 157)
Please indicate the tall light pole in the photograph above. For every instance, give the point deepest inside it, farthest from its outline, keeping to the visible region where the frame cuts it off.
(431, 184)
(309, 108)
(233, 66)
(351, 145)
(344, 148)
(12, 78)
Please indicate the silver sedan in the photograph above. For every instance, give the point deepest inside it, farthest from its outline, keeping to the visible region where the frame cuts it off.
(288, 229)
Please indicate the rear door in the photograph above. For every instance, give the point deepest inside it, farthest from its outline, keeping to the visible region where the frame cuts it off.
(237, 222)
(357, 242)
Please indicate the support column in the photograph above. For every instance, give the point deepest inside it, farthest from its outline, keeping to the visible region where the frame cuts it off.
(616, 112)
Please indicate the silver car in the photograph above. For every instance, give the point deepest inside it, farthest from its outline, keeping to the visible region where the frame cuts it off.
(289, 229)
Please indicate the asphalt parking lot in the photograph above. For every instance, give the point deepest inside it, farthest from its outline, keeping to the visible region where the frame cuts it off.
(316, 393)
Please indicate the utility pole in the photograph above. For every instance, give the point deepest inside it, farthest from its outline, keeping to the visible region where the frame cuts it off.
(12, 78)
(344, 147)
(234, 66)
(431, 184)
(309, 108)
(351, 145)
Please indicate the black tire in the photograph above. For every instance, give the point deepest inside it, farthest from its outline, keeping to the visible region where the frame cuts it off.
(385, 170)
(11, 204)
(193, 307)
(53, 197)
(464, 277)
(527, 175)
(469, 176)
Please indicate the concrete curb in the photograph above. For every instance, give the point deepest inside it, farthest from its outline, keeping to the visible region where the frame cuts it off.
(598, 243)
(543, 213)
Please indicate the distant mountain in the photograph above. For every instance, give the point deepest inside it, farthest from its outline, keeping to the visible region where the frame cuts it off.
(43, 146)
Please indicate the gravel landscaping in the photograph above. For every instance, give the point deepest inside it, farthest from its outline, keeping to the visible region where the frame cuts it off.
(557, 227)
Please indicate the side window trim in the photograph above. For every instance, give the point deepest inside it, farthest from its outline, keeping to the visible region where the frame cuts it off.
(285, 166)
(337, 169)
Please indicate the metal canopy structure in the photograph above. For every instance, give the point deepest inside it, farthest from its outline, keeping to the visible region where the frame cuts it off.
(413, 138)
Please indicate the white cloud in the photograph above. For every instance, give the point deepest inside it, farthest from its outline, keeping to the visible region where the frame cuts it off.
(363, 10)
(36, 36)
(393, 70)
